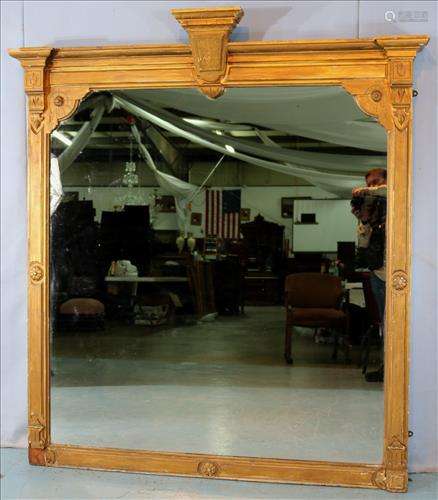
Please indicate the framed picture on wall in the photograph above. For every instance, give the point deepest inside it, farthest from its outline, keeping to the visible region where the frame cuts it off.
(196, 219)
(166, 203)
(287, 208)
(245, 214)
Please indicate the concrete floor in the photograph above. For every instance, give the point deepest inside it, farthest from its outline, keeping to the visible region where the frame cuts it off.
(22, 481)
(219, 387)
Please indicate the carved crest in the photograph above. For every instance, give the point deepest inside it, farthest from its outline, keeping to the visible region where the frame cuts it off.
(401, 117)
(208, 32)
(35, 122)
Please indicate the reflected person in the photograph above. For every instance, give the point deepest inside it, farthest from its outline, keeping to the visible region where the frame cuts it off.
(369, 206)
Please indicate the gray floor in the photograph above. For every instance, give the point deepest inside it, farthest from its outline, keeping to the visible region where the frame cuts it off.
(220, 387)
(22, 481)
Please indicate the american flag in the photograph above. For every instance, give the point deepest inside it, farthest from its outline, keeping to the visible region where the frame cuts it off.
(222, 213)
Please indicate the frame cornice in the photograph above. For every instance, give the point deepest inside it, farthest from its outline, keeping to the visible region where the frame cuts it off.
(377, 72)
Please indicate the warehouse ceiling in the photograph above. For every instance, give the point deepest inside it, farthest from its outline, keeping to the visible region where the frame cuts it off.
(259, 110)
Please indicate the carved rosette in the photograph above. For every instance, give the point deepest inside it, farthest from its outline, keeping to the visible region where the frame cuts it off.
(208, 469)
(399, 280)
(58, 100)
(376, 95)
(209, 31)
(36, 273)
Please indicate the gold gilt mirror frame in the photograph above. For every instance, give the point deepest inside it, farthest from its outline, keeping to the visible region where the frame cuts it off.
(377, 72)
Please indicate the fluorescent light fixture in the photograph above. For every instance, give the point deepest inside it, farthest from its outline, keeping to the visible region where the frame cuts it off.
(61, 137)
(195, 121)
(230, 148)
(219, 132)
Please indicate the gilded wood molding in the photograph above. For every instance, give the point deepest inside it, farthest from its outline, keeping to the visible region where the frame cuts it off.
(377, 72)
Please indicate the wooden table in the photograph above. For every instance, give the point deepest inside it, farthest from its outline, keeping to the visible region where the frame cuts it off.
(134, 280)
(146, 279)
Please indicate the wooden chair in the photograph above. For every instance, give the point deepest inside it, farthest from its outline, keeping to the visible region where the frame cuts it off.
(314, 300)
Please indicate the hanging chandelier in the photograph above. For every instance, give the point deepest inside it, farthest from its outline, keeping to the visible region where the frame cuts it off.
(130, 180)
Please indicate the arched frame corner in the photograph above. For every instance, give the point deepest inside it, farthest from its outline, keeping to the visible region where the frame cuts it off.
(373, 98)
(63, 104)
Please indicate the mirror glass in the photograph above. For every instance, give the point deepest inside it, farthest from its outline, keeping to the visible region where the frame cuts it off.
(216, 285)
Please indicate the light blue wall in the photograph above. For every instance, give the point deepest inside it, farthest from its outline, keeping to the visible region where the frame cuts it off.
(33, 23)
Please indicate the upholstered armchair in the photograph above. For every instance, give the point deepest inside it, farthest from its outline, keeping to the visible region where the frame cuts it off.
(313, 300)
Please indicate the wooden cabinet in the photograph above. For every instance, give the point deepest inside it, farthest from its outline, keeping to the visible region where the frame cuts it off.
(262, 289)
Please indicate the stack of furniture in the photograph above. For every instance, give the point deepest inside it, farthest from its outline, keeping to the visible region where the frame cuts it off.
(126, 235)
(229, 283)
(263, 242)
(307, 262)
(75, 273)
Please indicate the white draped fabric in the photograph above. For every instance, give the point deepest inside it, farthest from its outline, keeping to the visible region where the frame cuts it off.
(337, 163)
(56, 190)
(339, 183)
(337, 174)
(81, 139)
(328, 114)
(181, 190)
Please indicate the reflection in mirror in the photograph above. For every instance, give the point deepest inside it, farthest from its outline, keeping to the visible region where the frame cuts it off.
(216, 287)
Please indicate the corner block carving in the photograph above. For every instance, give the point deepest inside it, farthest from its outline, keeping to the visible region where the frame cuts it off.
(396, 467)
(372, 98)
(37, 432)
(62, 105)
(396, 454)
(50, 456)
(208, 469)
(44, 457)
(209, 31)
(394, 477)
